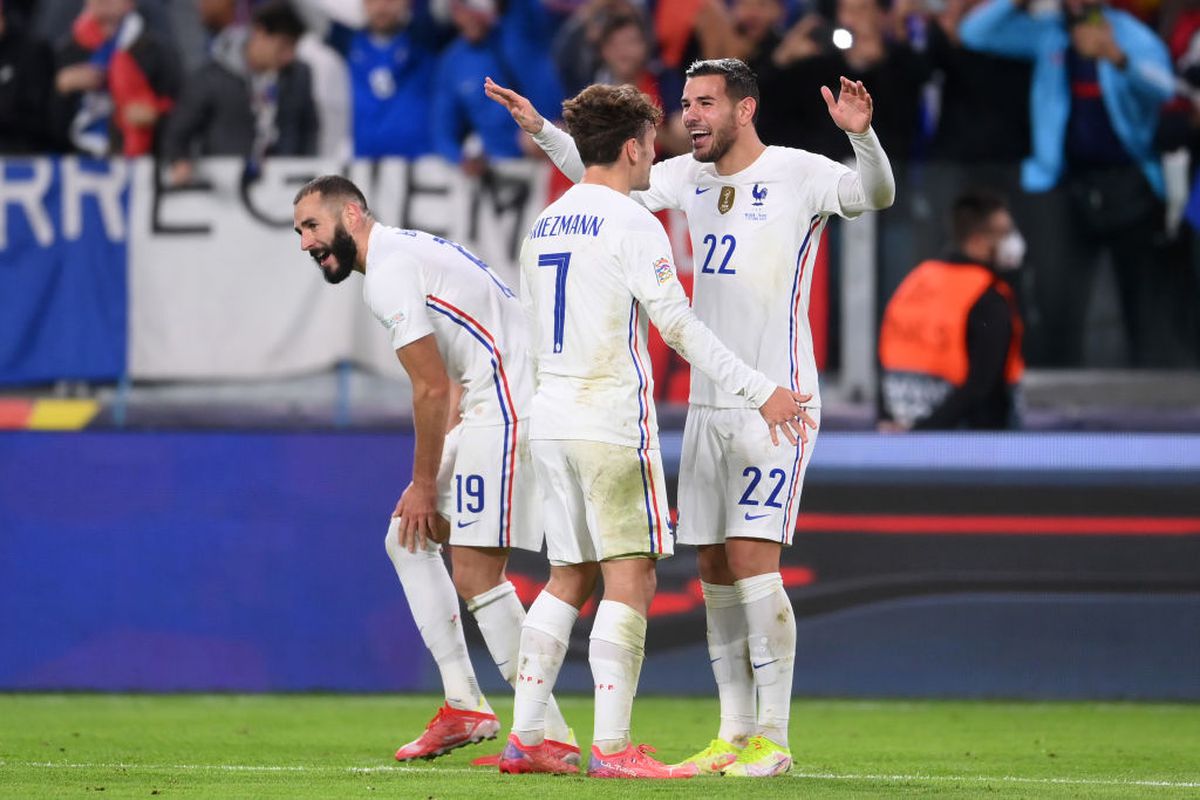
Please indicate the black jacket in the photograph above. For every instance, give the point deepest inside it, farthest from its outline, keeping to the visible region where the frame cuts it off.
(26, 86)
(214, 116)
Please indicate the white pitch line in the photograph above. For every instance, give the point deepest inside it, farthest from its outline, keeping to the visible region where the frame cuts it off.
(824, 776)
(833, 776)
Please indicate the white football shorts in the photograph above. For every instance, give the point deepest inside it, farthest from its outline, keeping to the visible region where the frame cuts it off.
(601, 501)
(487, 488)
(733, 482)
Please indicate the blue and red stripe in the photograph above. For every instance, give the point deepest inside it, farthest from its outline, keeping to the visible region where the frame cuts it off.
(810, 242)
(507, 406)
(649, 496)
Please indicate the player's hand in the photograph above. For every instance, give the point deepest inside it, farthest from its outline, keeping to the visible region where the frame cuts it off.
(784, 410)
(853, 108)
(417, 511)
(523, 112)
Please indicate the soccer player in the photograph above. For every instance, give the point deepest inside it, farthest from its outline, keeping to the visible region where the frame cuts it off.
(452, 322)
(594, 268)
(755, 214)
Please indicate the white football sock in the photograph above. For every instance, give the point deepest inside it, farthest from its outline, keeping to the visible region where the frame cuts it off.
(772, 641)
(434, 606)
(544, 638)
(615, 654)
(730, 658)
(500, 615)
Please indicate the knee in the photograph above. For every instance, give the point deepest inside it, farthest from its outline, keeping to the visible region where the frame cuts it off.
(650, 585)
(470, 583)
(391, 544)
(572, 586)
(713, 565)
(752, 559)
(477, 570)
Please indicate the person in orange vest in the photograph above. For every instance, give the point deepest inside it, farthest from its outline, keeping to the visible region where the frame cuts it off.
(950, 341)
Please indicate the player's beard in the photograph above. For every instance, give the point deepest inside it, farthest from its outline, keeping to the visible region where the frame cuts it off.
(720, 140)
(344, 252)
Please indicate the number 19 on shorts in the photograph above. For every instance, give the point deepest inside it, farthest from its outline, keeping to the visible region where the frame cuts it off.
(468, 491)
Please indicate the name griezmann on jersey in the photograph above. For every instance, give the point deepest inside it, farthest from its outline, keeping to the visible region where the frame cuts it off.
(567, 225)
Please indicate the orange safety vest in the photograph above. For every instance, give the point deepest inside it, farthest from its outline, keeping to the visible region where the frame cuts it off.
(924, 328)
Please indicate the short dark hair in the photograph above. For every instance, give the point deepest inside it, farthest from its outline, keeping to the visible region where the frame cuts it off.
(971, 212)
(740, 80)
(278, 17)
(334, 188)
(619, 23)
(602, 118)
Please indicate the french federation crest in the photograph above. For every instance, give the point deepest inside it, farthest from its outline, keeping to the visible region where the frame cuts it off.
(725, 200)
(759, 194)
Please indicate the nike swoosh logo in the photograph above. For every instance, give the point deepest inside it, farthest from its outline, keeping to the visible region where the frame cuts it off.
(702, 191)
(751, 517)
(764, 664)
(467, 524)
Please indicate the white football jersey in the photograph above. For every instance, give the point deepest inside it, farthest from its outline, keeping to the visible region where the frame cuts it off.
(417, 284)
(594, 268)
(754, 242)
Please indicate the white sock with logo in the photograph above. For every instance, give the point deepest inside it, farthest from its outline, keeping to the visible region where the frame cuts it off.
(500, 616)
(730, 658)
(772, 643)
(615, 654)
(434, 606)
(544, 638)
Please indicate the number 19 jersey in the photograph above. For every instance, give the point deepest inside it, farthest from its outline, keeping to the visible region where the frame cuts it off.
(595, 267)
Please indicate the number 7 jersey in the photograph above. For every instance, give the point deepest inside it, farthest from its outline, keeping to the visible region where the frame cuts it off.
(595, 268)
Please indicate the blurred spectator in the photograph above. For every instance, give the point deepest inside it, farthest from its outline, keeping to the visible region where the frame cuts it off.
(26, 85)
(505, 48)
(1099, 79)
(1182, 120)
(577, 45)
(894, 72)
(391, 72)
(50, 18)
(950, 342)
(253, 99)
(624, 49)
(217, 16)
(115, 81)
(331, 96)
(981, 132)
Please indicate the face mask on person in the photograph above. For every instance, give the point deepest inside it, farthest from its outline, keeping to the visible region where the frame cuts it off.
(1010, 251)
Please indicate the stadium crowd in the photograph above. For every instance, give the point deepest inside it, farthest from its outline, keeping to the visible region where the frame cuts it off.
(1070, 111)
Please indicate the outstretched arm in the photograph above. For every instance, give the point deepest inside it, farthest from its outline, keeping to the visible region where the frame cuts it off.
(872, 186)
(652, 281)
(557, 144)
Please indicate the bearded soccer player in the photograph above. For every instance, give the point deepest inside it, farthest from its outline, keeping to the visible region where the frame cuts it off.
(755, 214)
(452, 322)
(595, 268)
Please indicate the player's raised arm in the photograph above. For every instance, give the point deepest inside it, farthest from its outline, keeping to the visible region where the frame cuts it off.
(556, 143)
(871, 187)
(417, 507)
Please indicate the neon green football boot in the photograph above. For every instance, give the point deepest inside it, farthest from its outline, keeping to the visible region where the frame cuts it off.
(711, 760)
(760, 758)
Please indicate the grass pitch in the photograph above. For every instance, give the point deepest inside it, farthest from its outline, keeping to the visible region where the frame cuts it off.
(299, 746)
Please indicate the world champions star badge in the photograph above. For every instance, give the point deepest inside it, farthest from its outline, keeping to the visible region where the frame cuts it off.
(725, 200)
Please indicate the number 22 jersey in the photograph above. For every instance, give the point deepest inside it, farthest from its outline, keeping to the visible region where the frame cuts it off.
(754, 244)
